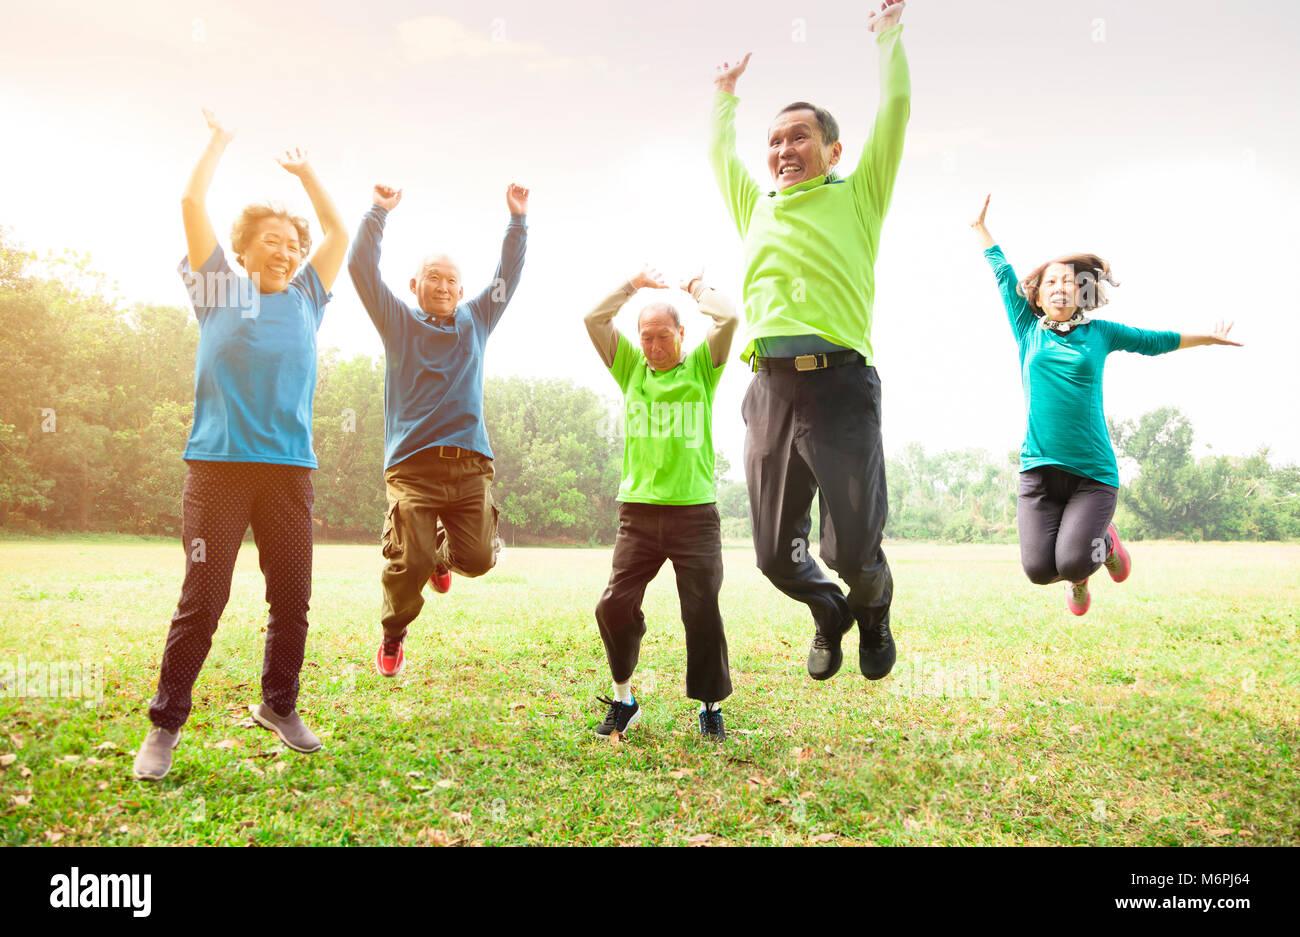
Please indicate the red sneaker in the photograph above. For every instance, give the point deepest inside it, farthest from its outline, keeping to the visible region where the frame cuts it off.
(391, 659)
(1077, 598)
(441, 579)
(1118, 564)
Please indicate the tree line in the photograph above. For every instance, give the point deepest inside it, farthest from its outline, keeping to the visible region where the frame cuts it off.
(96, 402)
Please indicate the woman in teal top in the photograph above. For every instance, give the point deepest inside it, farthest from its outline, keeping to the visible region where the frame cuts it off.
(1068, 476)
(249, 457)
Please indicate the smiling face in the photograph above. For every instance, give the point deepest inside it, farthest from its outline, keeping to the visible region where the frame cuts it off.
(438, 288)
(1058, 292)
(795, 151)
(661, 337)
(272, 254)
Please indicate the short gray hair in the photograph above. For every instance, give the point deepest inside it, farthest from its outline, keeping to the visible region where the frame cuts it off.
(430, 259)
(661, 307)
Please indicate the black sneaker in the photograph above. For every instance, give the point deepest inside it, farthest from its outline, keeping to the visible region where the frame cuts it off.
(711, 725)
(824, 656)
(876, 653)
(620, 718)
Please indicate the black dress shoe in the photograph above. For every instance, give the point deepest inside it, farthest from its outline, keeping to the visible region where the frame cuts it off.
(876, 653)
(824, 656)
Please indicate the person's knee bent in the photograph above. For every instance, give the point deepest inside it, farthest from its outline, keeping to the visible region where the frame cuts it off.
(1040, 573)
(1078, 568)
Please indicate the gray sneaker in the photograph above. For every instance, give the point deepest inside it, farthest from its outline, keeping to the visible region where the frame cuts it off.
(154, 759)
(289, 728)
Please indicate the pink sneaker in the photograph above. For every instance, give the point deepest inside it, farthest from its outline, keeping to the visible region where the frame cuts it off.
(1078, 599)
(1118, 564)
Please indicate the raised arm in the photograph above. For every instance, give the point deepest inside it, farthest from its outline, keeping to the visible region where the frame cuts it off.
(874, 176)
(334, 244)
(1019, 315)
(734, 181)
(492, 302)
(723, 313)
(363, 260)
(600, 321)
(982, 232)
(200, 239)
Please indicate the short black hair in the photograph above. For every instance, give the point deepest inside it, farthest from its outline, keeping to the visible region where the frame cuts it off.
(827, 124)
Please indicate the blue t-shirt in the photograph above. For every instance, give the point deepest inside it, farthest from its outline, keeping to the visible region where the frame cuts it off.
(255, 371)
(1061, 374)
(433, 380)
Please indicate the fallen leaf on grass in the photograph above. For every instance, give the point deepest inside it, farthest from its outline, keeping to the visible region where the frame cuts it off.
(700, 839)
(823, 837)
(1075, 729)
(226, 743)
(518, 705)
(102, 785)
(446, 783)
(21, 800)
(1218, 832)
(680, 773)
(616, 738)
(911, 825)
(17, 742)
(436, 837)
(52, 836)
(25, 772)
(70, 759)
(7, 759)
(105, 746)
(281, 766)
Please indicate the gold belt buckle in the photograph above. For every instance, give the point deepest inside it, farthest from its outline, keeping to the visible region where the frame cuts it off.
(455, 453)
(806, 362)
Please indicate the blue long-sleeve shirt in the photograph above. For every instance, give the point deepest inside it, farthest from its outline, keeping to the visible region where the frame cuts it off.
(1065, 419)
(433, 382)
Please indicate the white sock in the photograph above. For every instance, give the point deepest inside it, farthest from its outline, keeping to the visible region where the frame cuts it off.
(710, 706)
(623, 692)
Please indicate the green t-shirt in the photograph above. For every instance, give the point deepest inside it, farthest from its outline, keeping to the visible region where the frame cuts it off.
(810, 250)
(668, 427)
(1065, 420)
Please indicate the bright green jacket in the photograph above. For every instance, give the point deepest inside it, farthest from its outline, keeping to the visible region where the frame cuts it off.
(810, 250)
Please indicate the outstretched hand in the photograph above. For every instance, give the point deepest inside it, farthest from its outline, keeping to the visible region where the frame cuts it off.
(890, 12)
(648, 278)
(386, 196)
(726, 74)
(294, 160)
(1219, 335)
(216, 126)
(979, 222)
(517, 199)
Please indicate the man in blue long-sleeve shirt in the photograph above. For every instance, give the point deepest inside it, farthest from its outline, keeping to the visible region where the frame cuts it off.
(437, 461)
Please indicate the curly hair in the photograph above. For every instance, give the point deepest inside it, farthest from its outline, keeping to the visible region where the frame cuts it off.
(245, 226)
(1090, 271)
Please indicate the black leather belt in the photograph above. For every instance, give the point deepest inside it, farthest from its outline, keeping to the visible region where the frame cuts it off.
(835, 359)
(454, 452)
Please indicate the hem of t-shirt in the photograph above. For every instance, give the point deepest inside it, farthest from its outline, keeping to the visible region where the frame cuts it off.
(398, 459)
(1026, 466)
(663, 502)
(246, 457)
(750, 351)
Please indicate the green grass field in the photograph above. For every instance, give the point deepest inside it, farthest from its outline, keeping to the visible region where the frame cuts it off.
(1170, 714)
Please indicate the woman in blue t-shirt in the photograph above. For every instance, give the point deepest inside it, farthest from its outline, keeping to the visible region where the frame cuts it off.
(1069, 479)
(249, 456)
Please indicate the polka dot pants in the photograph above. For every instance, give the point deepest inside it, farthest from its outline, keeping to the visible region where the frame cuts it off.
(221, 500)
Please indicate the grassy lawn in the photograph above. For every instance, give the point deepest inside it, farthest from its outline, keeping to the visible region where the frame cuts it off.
(1170, 714)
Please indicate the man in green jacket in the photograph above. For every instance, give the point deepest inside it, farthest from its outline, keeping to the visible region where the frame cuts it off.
(812, 412)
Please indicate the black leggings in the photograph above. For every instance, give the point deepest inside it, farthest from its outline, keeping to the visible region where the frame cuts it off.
(1063, 519)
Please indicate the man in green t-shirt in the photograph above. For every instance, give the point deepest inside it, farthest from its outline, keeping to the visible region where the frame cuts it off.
(667, 497)
(812, 412)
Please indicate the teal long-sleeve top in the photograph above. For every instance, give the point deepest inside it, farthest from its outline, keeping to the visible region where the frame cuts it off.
(433, 382)
(1061, 374)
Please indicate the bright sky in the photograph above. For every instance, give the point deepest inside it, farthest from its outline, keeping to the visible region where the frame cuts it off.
(1159, 134)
